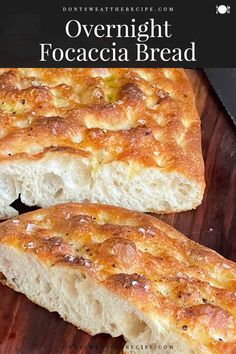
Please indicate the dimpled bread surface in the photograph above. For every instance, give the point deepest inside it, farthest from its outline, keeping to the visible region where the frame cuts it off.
(127, 137)
(109, 269)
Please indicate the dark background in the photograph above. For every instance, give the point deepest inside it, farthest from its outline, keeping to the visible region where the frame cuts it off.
(24, 25)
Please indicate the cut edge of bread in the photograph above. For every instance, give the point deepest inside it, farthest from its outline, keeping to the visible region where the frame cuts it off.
(63, 178)
(89, 306)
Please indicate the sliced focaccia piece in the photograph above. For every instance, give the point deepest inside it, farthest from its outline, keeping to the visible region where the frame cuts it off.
(127, 137)
(108, 269)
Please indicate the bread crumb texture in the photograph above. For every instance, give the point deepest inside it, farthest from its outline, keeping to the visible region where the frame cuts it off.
(128, 137)
(169, 289)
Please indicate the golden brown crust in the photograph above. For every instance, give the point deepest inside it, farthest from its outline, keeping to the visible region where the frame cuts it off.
(140, 258)
(143, 115)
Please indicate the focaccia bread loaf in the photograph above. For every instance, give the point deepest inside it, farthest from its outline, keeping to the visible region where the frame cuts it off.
(127, 137)
(108, 269)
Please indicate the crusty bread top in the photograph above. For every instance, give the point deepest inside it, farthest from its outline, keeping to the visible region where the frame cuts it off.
(142, 116)
(140, 258)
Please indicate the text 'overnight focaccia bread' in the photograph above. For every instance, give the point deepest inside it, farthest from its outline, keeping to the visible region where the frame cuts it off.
(108, 269)
(128, 137)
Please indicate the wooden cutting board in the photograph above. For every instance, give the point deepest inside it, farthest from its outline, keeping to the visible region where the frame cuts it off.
(28, 329)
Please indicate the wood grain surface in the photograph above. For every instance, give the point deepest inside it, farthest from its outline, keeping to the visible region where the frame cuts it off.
(28, 329)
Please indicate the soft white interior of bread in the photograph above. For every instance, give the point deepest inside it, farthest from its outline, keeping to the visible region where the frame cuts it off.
(7, 212)
(89, 306)
(74, 179)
